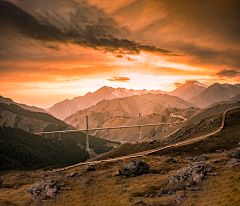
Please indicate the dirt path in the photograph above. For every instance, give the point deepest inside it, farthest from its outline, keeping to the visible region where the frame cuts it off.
(154, 150)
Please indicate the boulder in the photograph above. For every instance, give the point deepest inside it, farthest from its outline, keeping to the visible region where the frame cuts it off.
(217, 160)
(199, 159)
(1, 182)
(168, 160)
(109, 175)
(134, 167)
(45, 189)
(188, 158)
(191, 173)
(233, 153)
(179, 199)
(72, 174)
(238, 145)
(233, 162)
(90, 168)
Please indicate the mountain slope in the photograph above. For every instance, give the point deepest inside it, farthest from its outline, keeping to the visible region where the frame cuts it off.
(24, 106)
(189, 90)
(215, 93)
(67, 107)
(125, 111)
(16, 117)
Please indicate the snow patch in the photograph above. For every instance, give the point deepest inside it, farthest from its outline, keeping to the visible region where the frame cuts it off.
(200, 84)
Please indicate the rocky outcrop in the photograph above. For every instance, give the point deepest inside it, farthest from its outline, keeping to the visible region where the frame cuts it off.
(134, 167)
(199, 159)
(90, 168)
(45, 189)
(219, 159)
(195, 172)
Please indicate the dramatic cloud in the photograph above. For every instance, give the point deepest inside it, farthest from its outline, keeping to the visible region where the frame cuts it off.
(227, 73)
(119, 79)
(86, 26)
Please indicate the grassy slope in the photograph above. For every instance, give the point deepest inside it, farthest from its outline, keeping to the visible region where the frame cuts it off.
(94, 188)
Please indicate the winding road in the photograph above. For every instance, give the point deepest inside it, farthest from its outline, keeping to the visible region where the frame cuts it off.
(154, 150)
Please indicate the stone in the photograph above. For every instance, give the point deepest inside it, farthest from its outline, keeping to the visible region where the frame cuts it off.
(219, 151)
(179, 199)
(163, 172)
(17, 187)
(189, 174)
(72, 174)
(160, 195)
(109, 175)
(134, 167)
(199, 159)
(188, 158)
(90, 168)
(171, 193)
(233, 153)
(193, 188)
(124, 190)
(168, 160)
(45, 189)
(238, 145)
(233, 162)
(217, 160)
(1, 182)
(138, 202)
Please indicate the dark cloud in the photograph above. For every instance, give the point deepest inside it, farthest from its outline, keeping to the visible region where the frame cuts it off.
(86, 26)
(227, 73)
(130, 59)
(119, 79)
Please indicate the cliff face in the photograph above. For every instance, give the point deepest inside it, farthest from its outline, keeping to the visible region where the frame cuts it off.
(28, 124)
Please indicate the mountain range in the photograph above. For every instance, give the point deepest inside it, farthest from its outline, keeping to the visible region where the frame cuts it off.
(67, 107)
(197, 94)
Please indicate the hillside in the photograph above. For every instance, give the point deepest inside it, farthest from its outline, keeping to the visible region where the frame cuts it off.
(16, 117)
(189, 90)
(215, 93)
(24, 106)
(22, 150)
(128, 107)
(132, 135)
(216, 182)
(67, 107)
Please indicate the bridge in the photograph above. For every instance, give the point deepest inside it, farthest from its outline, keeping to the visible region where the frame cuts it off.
(140, 125)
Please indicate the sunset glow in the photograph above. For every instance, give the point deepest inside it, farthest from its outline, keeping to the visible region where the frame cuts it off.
(56, 50)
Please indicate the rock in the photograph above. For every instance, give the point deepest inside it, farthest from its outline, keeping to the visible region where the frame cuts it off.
(160, 195)
(138, 202)
(119, 164)
(238, 145)
(193, 188)
(90, 168)
(73, 174)
(124, 190)
(1, 182)
(135, 167)
(168, 160)
(188, 158)
(233, 153)
(179, 199)
(213, 173)
(109, 175)
(163, 172)
(151, 195)
(199, 159)
(233, 162)
(219, 151)
(45, 189)
(217, 160)
(171, 193)
(191, 173)
(17, 187)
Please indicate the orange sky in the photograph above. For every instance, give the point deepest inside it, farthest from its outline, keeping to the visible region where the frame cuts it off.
(53, 50)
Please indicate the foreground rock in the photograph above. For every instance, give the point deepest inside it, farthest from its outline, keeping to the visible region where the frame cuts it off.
(135, 167)
(45, 189)
(191, 173)
(233, 153)
(233, 162)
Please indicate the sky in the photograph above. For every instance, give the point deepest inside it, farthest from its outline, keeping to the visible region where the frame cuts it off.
(53, 50)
